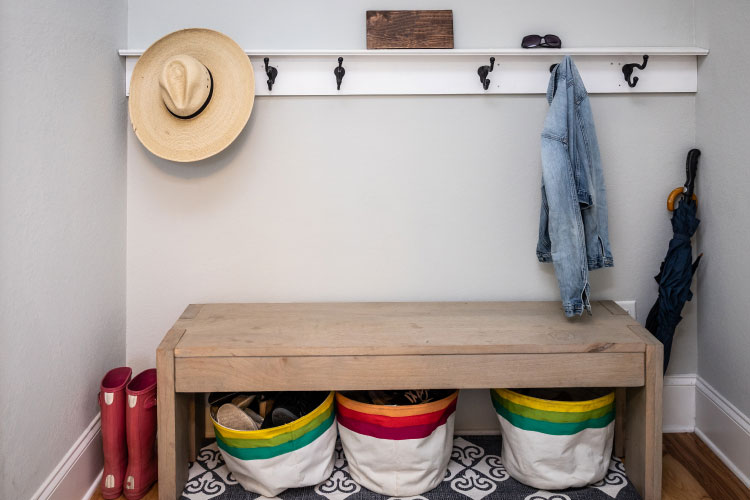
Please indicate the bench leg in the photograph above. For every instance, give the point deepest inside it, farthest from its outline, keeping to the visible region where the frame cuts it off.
(197, 424)
(173, 418)
(643, 445)
(620, 397)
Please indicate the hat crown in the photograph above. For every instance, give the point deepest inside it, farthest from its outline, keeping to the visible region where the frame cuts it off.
(185, 85)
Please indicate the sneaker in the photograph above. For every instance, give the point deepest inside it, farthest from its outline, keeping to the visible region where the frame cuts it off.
(282, 416)
(232, 417)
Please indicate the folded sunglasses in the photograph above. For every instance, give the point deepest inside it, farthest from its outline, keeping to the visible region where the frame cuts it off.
(536, 41)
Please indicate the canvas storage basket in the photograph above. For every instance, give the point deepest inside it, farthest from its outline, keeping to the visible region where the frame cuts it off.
(397, 451)
(268, 461)
(551, 444)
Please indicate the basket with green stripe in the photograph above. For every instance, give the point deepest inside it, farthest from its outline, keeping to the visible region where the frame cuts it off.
(556, 444)
(268, 461)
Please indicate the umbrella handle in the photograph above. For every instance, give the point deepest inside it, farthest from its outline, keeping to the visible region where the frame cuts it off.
(691, 169)
(673, 197)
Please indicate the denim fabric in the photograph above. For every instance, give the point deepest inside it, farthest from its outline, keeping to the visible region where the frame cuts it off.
(573, 229)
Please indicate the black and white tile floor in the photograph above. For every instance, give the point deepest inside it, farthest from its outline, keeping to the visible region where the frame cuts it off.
(475, 472)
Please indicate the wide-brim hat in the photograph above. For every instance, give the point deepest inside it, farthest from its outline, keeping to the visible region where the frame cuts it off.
(225, 93)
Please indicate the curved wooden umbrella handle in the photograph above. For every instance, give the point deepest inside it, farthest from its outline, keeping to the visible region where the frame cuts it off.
(673, 197)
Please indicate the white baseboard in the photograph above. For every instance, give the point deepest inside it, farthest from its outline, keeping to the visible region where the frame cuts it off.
(78, 473)
(475, 414)
(92, 489)
(690, 405)
(724, 428)
(679, 392)
(678, 403)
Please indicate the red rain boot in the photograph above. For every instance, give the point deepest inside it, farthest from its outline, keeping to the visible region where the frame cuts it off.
(112, 404)
(140, 417)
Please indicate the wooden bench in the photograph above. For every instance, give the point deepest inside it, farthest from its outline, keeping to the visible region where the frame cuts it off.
(349, 346)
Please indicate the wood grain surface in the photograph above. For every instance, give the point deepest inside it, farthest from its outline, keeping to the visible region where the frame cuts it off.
(703, 464)
(460, 371)
(643, 425)
(404, 328)
(172, 418)
(678, 483)
(409, 29)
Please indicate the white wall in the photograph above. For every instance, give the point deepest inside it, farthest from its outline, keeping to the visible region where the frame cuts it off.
(359, 198)
(62, 221)
(333, 24)
(396, 198)
(723, 110)
(430, 198)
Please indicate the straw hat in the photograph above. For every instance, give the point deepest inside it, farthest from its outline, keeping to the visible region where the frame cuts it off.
(191, 94)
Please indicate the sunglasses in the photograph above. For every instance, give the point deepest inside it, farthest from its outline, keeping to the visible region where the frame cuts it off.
(536, 41)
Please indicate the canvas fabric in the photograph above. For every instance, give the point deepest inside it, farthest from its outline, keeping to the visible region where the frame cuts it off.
(399, 451)
(555, 444)
(475, 472)
(268, 461)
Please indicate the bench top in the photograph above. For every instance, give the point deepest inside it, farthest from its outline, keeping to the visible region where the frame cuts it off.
(403, 328)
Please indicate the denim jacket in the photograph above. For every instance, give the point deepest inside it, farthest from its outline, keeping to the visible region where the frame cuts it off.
(573, 232)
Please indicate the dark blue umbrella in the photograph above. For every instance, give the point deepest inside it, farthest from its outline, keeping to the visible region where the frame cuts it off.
(677, 270)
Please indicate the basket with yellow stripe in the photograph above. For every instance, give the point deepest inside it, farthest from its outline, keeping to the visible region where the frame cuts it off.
(268, 461)
(399, 451)
(553, 443)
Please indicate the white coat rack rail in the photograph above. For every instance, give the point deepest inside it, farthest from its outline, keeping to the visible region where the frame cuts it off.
(458, 71)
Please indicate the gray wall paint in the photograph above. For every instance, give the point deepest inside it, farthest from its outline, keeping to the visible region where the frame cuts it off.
(62, 220)
(723, 108)
(400, 198)
(417, 197)
(397, 198)
(340, 24)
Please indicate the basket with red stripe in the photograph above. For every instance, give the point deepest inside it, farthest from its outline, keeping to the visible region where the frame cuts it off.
(397, 450)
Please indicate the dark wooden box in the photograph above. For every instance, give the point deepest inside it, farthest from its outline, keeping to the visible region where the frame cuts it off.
(409, 29)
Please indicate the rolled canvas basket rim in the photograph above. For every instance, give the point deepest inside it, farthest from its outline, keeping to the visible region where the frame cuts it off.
(402, 410)
(276, 431)
(553, 405)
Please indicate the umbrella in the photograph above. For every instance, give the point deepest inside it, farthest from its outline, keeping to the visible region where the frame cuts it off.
(676, 271)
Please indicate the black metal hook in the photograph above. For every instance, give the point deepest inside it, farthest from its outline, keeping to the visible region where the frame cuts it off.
(339, 71)
(484, 71)
(627, 70)
(552, 68)
(271, 72)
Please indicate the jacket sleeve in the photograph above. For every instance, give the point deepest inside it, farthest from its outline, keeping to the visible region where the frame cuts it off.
(564, 225)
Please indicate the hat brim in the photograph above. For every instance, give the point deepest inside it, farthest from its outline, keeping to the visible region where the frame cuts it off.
(223, 118)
